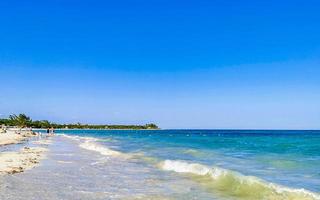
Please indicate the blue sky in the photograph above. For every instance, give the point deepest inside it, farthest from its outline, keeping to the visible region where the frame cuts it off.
(180, 64)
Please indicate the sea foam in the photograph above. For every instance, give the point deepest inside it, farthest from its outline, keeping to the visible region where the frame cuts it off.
(79, 138)
(215, 179)
(235, 184)
(89, 145)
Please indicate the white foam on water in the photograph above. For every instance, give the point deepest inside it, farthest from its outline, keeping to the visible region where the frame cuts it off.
(238, 184)
(79, 138)
(220, 179)
(89, 145)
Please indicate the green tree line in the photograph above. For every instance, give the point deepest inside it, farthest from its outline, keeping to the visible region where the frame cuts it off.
(23, 120)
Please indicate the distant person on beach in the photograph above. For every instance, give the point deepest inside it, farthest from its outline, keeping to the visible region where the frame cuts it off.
(52, 131)
(48, 131)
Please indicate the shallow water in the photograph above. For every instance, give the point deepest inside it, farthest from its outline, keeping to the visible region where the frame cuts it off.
(70, 172)
(173, 164)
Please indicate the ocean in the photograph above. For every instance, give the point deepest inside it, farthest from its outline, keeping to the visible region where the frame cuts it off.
(175, 164)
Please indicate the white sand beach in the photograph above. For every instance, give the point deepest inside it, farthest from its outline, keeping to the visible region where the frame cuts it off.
(15, 136)
(9, 138)
(22, 159)
(15, 162)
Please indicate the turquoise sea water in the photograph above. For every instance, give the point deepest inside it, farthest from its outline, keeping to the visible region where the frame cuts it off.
(174, 164)
(226, 162)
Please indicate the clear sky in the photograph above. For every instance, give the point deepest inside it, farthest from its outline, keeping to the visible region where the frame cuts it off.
(180, 64)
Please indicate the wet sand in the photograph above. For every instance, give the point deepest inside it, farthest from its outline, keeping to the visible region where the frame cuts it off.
(73, 173)
(16, 162)
(21, 155)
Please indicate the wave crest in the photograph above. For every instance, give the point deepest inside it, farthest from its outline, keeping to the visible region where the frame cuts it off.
(100, 149)
(236, 184)
(90, 143)
(78, 138)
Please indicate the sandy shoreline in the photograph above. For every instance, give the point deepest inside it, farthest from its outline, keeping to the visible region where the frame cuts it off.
(9, 138)
(15, 162)
(23, 159)
(15, 136)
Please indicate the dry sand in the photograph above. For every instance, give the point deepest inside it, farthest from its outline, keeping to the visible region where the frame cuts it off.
(18, 161)
(10, 138)
(15, 162)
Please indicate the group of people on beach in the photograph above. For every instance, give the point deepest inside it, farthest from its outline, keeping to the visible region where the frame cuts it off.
(50, 131)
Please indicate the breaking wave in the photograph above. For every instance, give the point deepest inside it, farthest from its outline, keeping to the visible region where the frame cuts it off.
(215, 179)
(89, 145)
(235, 184)
(79, 138)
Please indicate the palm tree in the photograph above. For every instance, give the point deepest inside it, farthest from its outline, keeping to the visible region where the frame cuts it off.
(20, 120)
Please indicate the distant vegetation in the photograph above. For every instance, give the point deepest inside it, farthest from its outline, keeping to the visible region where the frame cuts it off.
(23, 120)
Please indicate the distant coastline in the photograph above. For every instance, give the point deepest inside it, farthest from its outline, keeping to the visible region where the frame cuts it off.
(23, 120)
(102, 129)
